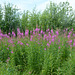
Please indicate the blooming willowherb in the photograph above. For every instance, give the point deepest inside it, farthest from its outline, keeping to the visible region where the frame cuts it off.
(66, 29)
(45, 35)
(63, 30)
(0, 38)
(68, 36)
(18, 42)
(11, 51)
(74, 35)
(33, 32)
(21, 43)
(10, 41)
(52, 40)
(57, 32)
(59, 40)
(70, 32)
(8, 33)
(59, 47)
(47, 30)
(26, 32)
(41, 32)
(37, 29)
(31, 37)
(53, 37)
(13, 45)
(48, 44)
(74, 40)
(71, 46)
(27, 44)
(51, 31)
(62, 44)
(38, 43)
(72, 29)
(8, 48)
(22, 34)
(74, 44)
(7, 36)
(70, 41)
(44, 48)
(13, 34)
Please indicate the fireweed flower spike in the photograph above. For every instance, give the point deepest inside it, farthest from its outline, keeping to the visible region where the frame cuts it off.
(51, 31)
(74, 44)
(0, 38)
(44, 48)
(27, 44)
(72, 29)
(48, 44)
(21, 43)
(11, 51)
(8, 48)
(59, 47)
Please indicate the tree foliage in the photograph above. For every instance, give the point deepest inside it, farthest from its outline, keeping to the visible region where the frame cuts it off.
(11, 19)
(54, 16)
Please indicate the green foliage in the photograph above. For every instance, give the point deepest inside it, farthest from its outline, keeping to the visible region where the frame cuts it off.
(60, 16)
(54, 16)
(24, 21)
(1, 15)
(11, 19)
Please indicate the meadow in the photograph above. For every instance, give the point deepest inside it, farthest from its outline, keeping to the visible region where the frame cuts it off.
(35, 42)
(40, 53)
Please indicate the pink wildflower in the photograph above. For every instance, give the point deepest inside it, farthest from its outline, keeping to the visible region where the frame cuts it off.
(38, 43)
(74, 40)
(13, 45)
(34, 32)
(44, 48)
(66, 29)
(62, 44)
(11, 51)
(59, 40)
(41, 31)
(37, 29)
(74, 44)
(71, 46)
(70, 32)
(51, 31)
(63, 30)
(57, 32)
(47, 44)
(59, 47)
(72, 29)
(68, 36)
(27, 44)
(21, 43)
(50, 42)
(70, 41)
(0, 38)
(8, 48)
(74, 35)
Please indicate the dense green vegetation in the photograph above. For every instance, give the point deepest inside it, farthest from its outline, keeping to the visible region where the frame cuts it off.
(54, 16)
(52, 54)
(44, 43)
